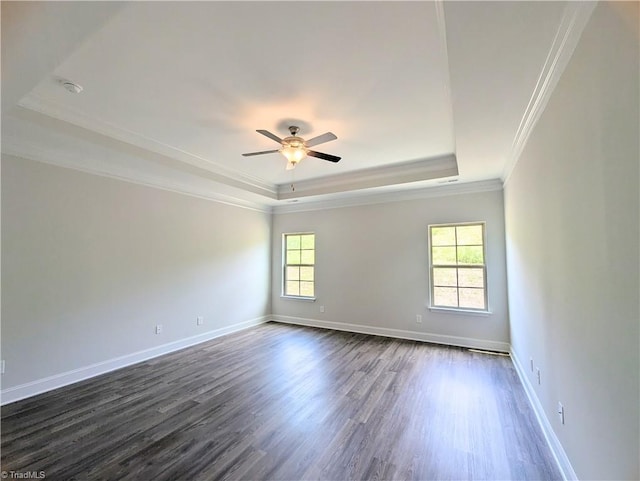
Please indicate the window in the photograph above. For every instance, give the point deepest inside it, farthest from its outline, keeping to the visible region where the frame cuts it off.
(299, 265)
(458, 270)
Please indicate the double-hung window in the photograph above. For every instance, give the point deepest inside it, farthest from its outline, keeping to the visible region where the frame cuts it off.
(457, 263)
(299, 256)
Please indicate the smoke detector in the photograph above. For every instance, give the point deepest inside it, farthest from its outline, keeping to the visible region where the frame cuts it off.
(71, 87)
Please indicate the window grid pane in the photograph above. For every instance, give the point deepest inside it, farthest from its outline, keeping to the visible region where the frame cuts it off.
(471, 298)
(458, 270)
(306, 273)
(293, 273)
(444, 255)
(307, 257)
(299, 261)
(293, 257)
(445, 276)
(292, 288)
(445, 297)
(471, 277)
(469, 235)
(293, 242)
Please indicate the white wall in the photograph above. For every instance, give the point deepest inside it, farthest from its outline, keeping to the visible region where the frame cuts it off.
(571, 207)
(372, 269)
(90, 265)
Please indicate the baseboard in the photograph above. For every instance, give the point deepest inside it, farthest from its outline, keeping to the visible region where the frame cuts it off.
(552, 440)
(56, 381)
(397, 333)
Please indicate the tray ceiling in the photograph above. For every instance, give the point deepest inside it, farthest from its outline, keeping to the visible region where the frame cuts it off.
(418, 93)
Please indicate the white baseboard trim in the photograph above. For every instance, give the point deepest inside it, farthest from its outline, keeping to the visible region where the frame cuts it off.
(552, 440)
(397, 333)
(56, 381)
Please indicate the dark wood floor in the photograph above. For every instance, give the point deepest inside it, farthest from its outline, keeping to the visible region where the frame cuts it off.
(287, 403)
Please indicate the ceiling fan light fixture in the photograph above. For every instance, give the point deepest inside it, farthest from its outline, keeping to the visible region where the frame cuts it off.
(294, 153)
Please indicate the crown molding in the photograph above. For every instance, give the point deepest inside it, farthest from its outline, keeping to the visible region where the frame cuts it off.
(396, 196)
(574, 20)
(354, 188)
(38, 154)
(63, 113)
(444, 52)
(382, 176)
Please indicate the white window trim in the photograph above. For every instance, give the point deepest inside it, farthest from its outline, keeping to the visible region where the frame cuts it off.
(284, 267)
(460, 310)
(298, 298)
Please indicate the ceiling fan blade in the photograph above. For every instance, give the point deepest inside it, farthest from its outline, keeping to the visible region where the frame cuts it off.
(320, 155)
(321, 139)
(260, 153)
(266, 133)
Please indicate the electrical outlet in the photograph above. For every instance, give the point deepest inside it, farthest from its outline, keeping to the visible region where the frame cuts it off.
(418, 318)
(2, 367)
(561, 412)
(199, 320)
(538, 375)
(158, 328)
(321, 308)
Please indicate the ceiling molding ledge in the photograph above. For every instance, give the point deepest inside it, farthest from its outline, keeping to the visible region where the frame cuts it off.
(397, 196)
(386, 175)
(36, 154)
(65, 114)
(574, 20)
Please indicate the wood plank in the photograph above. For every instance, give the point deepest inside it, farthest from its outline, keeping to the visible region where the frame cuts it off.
(287, 402)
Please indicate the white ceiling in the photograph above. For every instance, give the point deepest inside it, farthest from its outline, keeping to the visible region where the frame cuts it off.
(418, 93)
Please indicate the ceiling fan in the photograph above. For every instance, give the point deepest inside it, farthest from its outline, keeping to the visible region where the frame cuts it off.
(295, 148)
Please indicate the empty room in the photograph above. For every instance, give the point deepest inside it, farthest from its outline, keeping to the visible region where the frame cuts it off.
(320, 240)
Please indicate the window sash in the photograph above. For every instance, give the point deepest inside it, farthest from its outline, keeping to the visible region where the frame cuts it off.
(446, 288)
(298, 267)
(457, 288)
